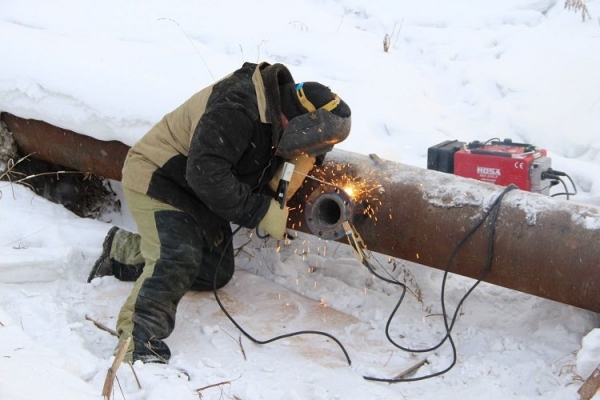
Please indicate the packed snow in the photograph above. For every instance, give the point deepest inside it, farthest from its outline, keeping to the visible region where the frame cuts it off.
(520, 69)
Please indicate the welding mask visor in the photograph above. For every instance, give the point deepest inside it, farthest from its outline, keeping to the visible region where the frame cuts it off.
(313, 133)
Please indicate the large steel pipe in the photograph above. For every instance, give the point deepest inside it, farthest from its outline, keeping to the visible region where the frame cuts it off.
(67, 148)
(543, 246)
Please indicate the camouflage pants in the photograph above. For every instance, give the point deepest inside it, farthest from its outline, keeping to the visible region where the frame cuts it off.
(175, 258)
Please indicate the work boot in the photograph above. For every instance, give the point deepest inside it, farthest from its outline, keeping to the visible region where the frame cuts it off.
(152, 351)
(103, 265)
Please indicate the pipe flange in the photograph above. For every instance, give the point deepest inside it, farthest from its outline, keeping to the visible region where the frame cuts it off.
(326, 209)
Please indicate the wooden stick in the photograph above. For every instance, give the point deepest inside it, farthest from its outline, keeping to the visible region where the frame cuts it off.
(591, 387)
(112, 371)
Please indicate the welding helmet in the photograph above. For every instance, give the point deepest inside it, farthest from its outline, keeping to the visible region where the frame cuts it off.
(318, 119)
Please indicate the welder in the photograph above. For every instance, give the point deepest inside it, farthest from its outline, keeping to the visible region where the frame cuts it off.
(215, 160)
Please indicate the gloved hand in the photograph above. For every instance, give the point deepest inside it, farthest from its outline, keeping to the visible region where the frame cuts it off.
(275, 220)
(302, 166)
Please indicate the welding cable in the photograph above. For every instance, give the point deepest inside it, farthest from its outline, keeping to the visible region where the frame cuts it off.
(556, 176)
(493, 211)
(491, 140)
(566, 192)
(250, 337)
(260, 235)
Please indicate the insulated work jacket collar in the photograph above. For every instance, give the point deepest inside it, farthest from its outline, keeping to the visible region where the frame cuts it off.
(268, 97)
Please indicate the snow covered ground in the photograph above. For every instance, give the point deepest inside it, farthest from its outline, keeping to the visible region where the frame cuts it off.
(520, 69)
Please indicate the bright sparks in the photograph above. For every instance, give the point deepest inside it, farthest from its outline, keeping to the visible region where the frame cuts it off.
(349, 189)
(363, 188)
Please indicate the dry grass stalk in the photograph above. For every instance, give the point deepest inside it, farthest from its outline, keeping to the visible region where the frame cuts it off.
(9, 173)
(386, 42)
(111, 375)
(213, 385)
(387, 39)
(219, 385)
(238, 341)
(410, 369)
(82, 193)
(576, 6)
(102, 326)
(13, 176)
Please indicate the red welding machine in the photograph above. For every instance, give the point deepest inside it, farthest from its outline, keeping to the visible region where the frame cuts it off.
(498, 162)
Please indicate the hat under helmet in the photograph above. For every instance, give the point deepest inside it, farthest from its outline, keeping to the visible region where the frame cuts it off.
(318, 119)
(305, 97)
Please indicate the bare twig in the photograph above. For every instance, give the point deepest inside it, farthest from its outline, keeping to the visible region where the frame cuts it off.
(21, 246)
(569, 369)
(239, 249)
(398, 31)
(213, 385)
(217, 384)
(10, 174)
(258, 49)
(137, 380)
(43, 174)
(387, 39)
(389, 359)
(341, 21)
(12, 164)
(192, 43)
(239, 342)
(242, 347)
(102, 326)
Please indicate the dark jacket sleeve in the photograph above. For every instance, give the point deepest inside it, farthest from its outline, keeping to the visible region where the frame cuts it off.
(221, 138)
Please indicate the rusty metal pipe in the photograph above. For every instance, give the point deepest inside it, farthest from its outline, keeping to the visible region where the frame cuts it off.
(544, 246)
(67, 148)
